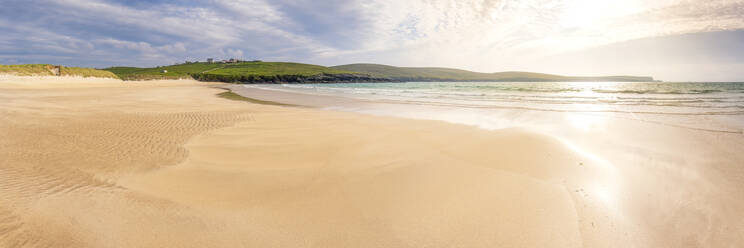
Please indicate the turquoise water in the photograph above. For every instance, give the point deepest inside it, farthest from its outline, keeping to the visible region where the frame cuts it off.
(626, 97)
(716, 107)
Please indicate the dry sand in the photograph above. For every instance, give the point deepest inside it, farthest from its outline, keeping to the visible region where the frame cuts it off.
(169, 164)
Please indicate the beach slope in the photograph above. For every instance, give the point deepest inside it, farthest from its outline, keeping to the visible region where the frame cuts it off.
(171, 164)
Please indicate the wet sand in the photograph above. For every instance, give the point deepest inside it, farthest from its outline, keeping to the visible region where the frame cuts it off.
(170, 164)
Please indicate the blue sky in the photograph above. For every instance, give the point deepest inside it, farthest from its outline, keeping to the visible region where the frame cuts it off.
(676, 40)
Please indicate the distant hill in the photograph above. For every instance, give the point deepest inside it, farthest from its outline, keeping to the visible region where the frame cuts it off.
(286, 72)
(448, 74)
(245, 72)
(52, 70)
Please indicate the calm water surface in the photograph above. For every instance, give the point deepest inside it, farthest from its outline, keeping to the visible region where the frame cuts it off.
(714, 106)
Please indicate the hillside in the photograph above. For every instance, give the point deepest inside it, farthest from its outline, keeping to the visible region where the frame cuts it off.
(172, 71)
(285, 72)
(51, 70)
(448, 74)
(245, 72)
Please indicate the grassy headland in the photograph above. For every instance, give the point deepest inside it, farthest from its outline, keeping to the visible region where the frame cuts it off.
(162, 72)
(51, 70)
(285, 72)
(245, 72)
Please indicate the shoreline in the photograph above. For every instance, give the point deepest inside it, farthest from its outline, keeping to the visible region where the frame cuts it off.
(174, 164)
(654, 153)
(352, 104)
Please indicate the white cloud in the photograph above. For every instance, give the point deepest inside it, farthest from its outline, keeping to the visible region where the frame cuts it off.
(491, 35)
(144, 47)
(253, 9)
(234, 53)
(483, 35)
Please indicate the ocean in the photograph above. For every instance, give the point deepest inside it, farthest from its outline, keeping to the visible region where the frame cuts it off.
(717, 107)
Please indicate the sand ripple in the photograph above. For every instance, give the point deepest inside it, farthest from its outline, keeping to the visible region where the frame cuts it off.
(81, 153)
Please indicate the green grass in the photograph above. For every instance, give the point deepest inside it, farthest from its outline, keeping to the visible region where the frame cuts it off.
(86, 72)
(235, 97)
(173, 71)
(47, 70)
(221, 71)
(445, 74)
(27, 70)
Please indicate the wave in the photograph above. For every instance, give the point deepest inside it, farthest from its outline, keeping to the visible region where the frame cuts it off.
(623, 89)
(601, 102)
(561, 99)
(736, 112)
(672, 98)
(522, 89)
(672, 92)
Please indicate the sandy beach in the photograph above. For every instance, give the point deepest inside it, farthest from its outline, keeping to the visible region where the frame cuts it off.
(103, 163)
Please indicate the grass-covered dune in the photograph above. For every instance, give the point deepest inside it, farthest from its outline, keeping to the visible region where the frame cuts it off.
(245, 72)
(448, 74)
(51, 70)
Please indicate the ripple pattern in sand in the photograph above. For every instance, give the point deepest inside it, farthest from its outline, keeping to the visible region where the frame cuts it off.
(53, 156)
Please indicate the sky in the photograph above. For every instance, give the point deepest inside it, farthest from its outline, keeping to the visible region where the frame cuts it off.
(672, 40)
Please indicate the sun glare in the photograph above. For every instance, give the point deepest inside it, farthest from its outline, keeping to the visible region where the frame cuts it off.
(606, 195)
(585, 121)
(604, 186)
(585, 13)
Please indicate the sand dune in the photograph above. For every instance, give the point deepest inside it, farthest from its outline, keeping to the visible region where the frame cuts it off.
(169, 164)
